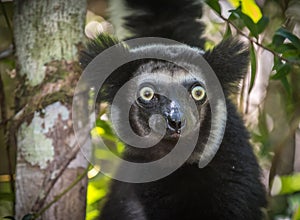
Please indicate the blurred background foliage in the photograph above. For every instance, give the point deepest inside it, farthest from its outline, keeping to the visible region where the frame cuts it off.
(269, 98)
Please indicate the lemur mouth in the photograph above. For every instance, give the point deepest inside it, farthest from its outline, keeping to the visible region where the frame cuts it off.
(172, 134)
(175, 128)
(175, 135)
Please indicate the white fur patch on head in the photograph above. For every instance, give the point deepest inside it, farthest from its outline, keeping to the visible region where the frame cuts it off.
(165, 77)
(168, 75)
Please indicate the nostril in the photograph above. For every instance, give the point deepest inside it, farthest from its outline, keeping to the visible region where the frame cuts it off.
(176, 124)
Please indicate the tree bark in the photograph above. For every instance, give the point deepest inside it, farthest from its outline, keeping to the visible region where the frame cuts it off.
(47, 35)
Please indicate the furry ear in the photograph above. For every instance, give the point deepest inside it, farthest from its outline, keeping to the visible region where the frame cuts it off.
(118, 77)
(95, 47)
(229, 60)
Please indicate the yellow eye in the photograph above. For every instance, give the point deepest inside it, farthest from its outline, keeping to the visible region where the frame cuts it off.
(146, 93)
(198, 93)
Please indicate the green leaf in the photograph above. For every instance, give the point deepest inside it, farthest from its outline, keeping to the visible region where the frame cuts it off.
(103, 154)
(105, 125)
(277, 40)
(228, 32)
(286, 86)
(236, 20)
(281, 48)
(254, 28)
(247, 21)
(291, 54)
(262, 24)
(281, 71)
(253, 66)
(286, 34)
(285, 184)
(233, 16)
(249, 7)
(296, 214)
(94, 194)
(214, 4)
(277, 63)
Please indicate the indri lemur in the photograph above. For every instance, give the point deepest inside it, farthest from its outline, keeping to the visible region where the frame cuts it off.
(229, 186)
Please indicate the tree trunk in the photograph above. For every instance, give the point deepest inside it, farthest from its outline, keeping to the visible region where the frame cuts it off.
(47, 35)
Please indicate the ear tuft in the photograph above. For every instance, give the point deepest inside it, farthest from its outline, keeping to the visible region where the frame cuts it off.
(95, 47)
(229, 60)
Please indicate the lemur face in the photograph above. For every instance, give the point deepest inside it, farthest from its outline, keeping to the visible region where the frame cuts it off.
(167, 90)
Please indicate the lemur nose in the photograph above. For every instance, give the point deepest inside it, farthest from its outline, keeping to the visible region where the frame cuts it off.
(175, 122)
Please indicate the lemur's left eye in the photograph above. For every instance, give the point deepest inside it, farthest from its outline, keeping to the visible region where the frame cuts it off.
(198, 93)
(146, 93)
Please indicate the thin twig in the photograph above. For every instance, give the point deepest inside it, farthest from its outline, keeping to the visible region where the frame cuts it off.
(50, 183)
(257, 43)
(59, 196)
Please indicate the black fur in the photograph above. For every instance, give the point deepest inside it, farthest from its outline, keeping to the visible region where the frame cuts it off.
(229, 60)
(95, 47)
(229, 187)
(171, 19)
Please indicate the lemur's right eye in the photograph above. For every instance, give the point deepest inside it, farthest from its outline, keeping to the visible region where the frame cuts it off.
(146, 93)
(198, 93)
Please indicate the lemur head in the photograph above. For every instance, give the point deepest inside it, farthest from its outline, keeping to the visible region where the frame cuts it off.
(165, 89)
(168, 89)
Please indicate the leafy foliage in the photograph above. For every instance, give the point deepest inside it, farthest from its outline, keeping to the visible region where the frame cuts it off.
(98, 185)
(247, 21)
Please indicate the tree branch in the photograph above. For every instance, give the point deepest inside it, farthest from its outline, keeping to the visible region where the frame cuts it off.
(49, 182)
(59, 196)
(257, 43)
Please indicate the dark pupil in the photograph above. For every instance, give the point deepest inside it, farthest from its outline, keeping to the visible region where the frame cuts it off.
(147, 94)
(198, 93)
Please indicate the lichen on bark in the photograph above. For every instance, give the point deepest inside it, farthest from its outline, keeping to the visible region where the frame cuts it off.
(47, 31)
(35, 147)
